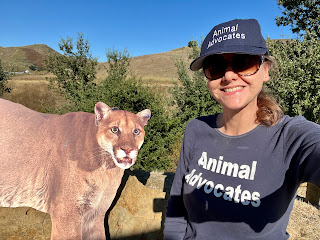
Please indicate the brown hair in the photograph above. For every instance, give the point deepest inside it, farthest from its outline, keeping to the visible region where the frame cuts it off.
(270, 111)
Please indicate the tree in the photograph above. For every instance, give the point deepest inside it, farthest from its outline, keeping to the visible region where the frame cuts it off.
(4, 77)
(302, 16)
(119, 64)
(74, 71)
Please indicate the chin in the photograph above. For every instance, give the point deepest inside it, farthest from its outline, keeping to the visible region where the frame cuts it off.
(237, 106)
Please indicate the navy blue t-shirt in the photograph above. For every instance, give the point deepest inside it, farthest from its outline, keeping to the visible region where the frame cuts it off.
(241, 187)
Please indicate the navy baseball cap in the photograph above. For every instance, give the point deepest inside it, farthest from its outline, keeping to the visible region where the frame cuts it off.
(242, 36)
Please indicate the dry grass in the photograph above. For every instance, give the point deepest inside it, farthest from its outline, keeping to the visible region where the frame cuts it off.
(304, 219)
(31, 77)
(304, 222)
(32, 91)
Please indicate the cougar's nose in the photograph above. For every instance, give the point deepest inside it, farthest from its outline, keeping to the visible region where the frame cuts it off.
(127, 150)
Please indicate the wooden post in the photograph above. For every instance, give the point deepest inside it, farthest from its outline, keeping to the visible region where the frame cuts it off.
(313, 194)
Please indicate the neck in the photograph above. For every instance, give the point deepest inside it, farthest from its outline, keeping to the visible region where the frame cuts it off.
(234, 123)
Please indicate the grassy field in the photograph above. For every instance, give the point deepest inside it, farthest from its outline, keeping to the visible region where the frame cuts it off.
(32, 91)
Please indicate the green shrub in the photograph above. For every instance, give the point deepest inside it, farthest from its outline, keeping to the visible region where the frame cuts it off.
(297, 80)
(4, 77)
(192, 44)
(191, 95)
(75, 71)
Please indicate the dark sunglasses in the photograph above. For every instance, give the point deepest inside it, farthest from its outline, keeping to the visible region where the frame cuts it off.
(214, 66)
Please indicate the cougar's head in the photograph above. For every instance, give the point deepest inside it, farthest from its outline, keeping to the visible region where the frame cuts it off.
(120, 133)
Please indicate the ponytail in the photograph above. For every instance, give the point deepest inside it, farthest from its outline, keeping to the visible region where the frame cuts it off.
(269, 111)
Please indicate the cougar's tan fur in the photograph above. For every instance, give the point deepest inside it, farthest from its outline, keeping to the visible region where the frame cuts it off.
(69, 166)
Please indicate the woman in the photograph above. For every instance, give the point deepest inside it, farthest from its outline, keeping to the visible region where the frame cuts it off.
(239, 170)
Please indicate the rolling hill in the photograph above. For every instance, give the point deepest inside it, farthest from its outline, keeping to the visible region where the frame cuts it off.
(17, 59)
(157, 67)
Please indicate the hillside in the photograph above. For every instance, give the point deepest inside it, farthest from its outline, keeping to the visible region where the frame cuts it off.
(31, 89)
(157, 67)
(17, 59)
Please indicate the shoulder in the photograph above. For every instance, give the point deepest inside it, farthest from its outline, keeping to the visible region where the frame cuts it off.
(299, 127)
(295, 123)
(200, 125)
(203, 121)
(76, 117)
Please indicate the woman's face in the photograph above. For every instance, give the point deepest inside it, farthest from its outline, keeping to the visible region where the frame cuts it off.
(235, 92)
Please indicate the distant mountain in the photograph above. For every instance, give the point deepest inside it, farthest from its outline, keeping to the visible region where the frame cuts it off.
(15, 59)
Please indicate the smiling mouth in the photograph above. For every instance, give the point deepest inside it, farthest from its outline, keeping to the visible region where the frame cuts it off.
(234, 89)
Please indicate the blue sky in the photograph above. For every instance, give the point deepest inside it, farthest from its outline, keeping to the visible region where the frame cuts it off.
(141, 26)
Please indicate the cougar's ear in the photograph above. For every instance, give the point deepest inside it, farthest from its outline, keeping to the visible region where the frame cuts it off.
(145, 115)
(101, 110)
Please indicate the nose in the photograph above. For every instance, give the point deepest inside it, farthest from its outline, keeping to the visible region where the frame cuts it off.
(229, 74)
(127, 150)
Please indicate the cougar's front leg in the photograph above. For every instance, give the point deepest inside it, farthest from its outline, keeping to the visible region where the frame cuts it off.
(66, 224)
(94, 228)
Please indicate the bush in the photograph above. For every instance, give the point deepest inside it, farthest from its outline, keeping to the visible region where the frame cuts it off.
(192, 44)
(297, 80)
(4, 77)
(191, 96)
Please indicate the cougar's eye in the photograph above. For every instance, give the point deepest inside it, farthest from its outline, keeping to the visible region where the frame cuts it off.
(136, 132)
(115, 130)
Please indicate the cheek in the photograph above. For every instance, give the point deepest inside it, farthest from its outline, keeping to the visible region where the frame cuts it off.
(264, 72)
(105, 143)
(209, 86)
(213, 88)
(266, 75)
(260, 79)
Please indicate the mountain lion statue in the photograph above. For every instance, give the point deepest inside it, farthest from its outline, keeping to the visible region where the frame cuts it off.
(69, 166)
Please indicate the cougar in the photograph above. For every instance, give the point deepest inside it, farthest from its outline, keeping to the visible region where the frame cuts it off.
(69, 166)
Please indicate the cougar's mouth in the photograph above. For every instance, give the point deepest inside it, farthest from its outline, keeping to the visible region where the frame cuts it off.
(124, 160)
(124, 163)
